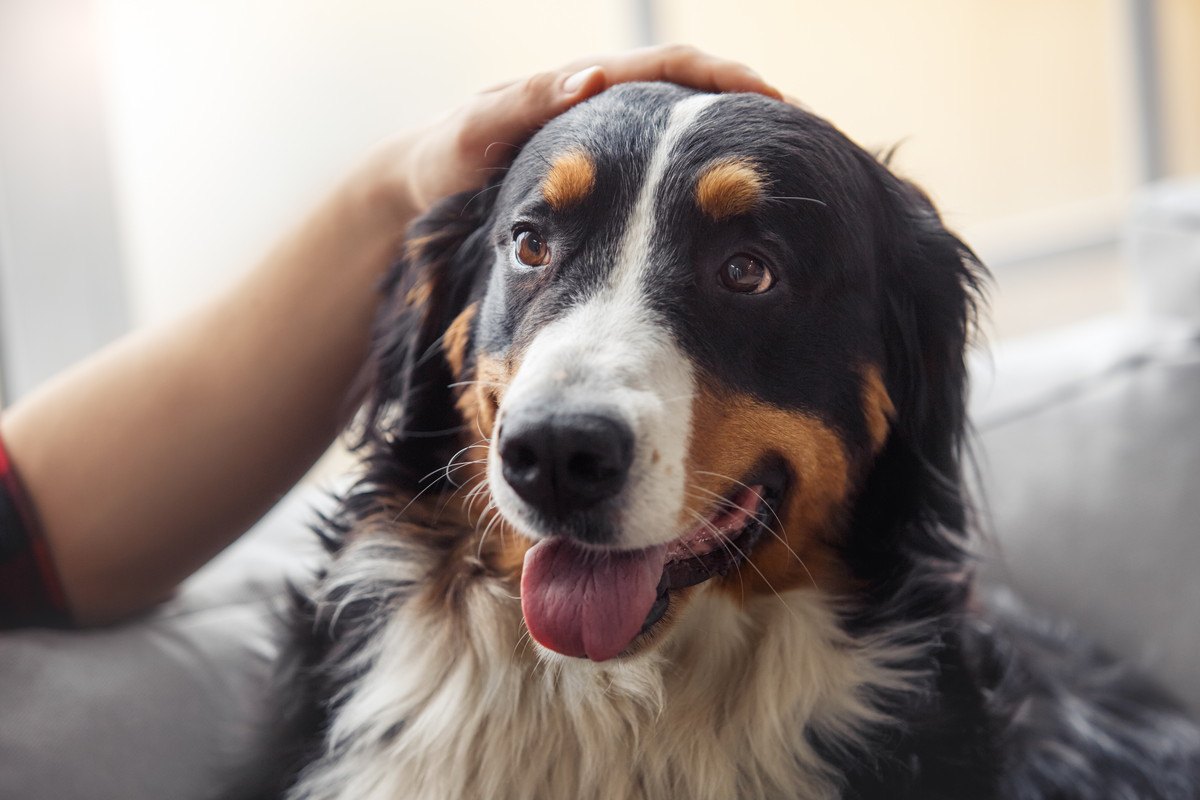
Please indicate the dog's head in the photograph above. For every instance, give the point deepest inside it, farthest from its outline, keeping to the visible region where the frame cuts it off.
(689, 340)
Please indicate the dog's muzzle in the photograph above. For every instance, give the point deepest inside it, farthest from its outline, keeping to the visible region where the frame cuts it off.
(564, 462)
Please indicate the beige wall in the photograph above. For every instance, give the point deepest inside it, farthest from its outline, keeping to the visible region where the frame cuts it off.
(1179, 29)
(228, 116)
(1011, 112)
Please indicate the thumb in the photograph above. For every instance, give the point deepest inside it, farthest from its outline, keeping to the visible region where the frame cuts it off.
(583, 84)
(502, 119)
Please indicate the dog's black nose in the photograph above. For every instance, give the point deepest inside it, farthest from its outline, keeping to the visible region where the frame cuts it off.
(564, 462)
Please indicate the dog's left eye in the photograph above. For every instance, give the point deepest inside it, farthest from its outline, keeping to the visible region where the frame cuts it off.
(530, 249)
(745, 274)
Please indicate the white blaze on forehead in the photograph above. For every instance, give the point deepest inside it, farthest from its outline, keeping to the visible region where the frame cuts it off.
(640, 229)
(613, 351)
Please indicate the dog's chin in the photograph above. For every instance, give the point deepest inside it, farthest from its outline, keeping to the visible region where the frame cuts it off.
(586, 602)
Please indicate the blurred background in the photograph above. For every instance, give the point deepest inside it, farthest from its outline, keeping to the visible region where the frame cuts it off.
(152, 149)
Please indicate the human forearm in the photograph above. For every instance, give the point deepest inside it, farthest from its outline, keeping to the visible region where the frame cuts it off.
(147, 460)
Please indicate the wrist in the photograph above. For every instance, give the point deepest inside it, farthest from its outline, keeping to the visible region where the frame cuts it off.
(382, 191)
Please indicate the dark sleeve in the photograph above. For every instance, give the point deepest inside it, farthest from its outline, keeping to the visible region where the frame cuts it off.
(30, 593)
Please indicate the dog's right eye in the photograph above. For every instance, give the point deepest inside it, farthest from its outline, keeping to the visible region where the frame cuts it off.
(529, 248)
(746, 274)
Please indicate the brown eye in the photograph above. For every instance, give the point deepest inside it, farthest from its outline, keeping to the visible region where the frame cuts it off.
(530, 249)
(745, 274)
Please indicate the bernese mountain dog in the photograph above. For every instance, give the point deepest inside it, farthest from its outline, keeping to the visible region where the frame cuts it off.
(662, 497)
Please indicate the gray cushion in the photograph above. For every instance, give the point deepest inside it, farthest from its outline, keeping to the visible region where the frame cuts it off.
(170, 706)
(1091, 469)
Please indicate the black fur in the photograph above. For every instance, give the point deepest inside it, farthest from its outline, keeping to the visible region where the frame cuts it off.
(1008, 708)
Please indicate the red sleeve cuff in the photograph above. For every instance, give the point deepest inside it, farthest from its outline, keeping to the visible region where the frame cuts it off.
(30, 592)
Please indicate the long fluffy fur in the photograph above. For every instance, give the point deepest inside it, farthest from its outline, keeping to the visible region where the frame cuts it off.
(417, 679)
(440, 703)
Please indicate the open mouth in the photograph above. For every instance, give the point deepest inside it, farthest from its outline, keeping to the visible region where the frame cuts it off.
(591, 603)
(715, 547)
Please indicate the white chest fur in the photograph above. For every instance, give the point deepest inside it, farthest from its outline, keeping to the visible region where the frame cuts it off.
(461, 705)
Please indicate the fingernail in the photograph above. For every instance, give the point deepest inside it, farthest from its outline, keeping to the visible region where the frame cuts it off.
(575, 82)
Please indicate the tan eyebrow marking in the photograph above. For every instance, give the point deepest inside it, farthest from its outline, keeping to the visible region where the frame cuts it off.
(457, 337)
(419, 294)
(571, 178)
(729, 187)
(878, 408)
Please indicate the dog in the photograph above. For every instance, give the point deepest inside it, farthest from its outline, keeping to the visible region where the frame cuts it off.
(662, 497)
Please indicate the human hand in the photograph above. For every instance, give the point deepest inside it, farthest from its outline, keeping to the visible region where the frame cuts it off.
(461, 150)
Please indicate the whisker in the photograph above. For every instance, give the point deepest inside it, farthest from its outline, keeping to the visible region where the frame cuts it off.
(480, 491)
(435, 347)
(722, 501)
(445, 471)
(479, 428)
(761, 499)
(702, 521)
(495, 520)
(473, 483)
(771, 586)
(524, 642)
(447, 497)
(449, 463)
(487, 150)
(803, 199)
(477, 194)
(727, 543)
(414, 499)
(463, 465)
(419, 494)
(471, 496)
(482, 536)
(721, 539)
(771, 530)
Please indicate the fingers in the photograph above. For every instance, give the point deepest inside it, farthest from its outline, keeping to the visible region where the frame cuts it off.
(683, 65)
(460, 151)
(506, 114)
(500, 119)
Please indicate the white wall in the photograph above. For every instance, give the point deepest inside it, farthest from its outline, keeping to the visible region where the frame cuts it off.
(1014, 114)
(229, 116)
(223, 119)
(61, 289)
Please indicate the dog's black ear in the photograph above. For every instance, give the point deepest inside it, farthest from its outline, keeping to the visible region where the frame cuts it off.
(409, 406)
(931, 289)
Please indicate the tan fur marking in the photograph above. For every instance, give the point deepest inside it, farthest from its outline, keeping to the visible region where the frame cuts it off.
(728, 188)
(877, 406)
(414, 245)
(454, 343)
(502, 549)
(480, 400)
(731, 433)
(571, 179)
(419, 294)
(446, 529)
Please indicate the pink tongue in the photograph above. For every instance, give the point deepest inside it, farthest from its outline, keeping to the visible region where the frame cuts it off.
(586, 603)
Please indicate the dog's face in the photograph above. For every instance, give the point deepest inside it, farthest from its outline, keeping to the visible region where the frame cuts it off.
(678, 330)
